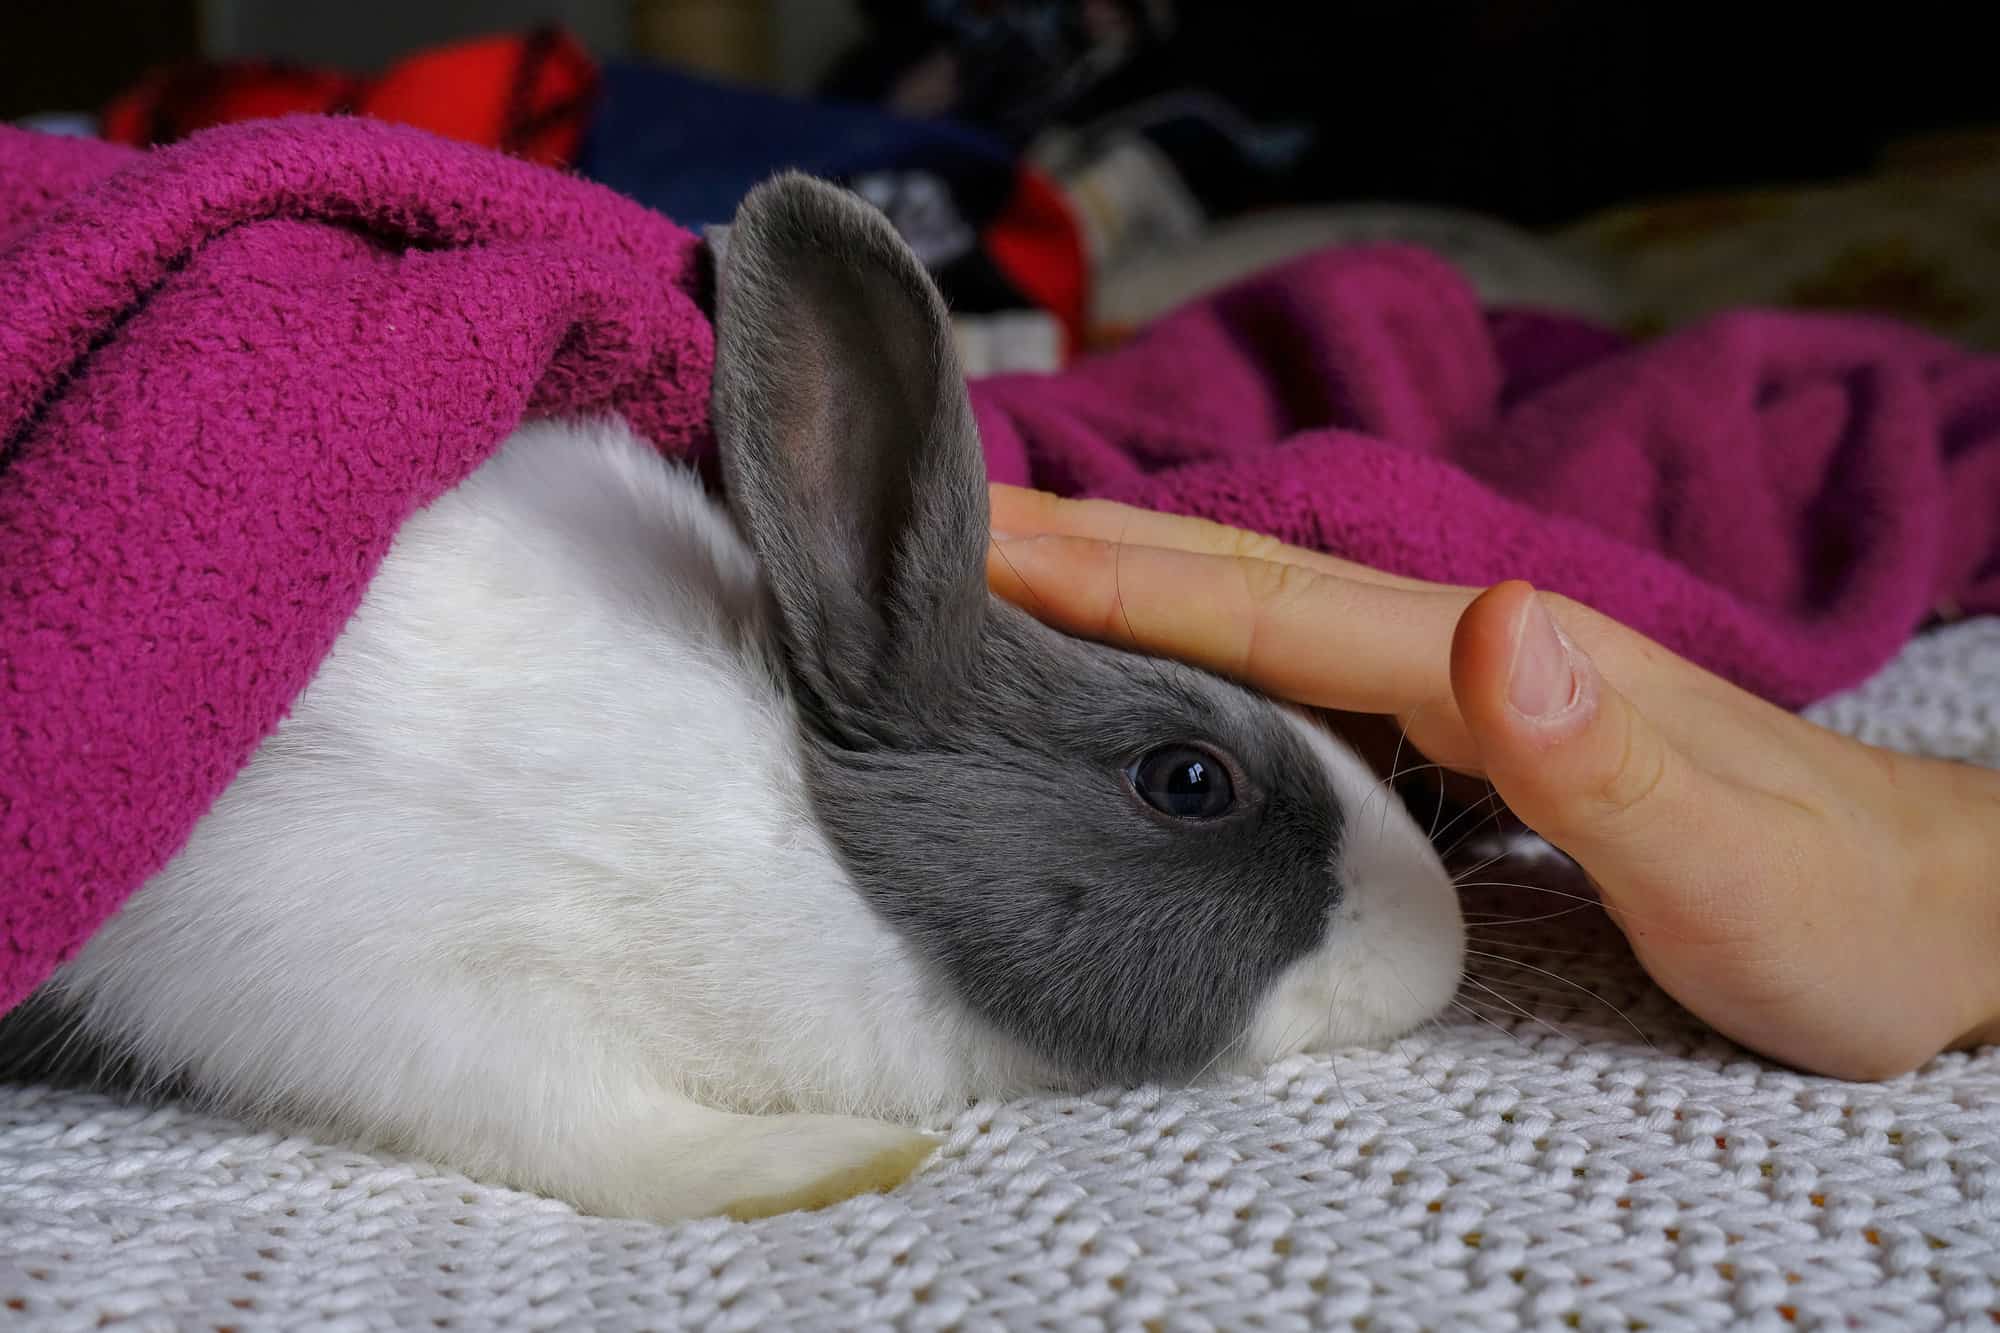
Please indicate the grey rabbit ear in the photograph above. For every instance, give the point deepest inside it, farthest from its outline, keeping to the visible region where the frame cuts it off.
(716, 237)
(848, 446)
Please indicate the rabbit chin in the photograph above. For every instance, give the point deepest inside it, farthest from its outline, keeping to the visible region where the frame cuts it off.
(1394, 950)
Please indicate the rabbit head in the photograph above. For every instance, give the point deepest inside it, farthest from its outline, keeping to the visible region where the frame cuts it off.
(1127, 867)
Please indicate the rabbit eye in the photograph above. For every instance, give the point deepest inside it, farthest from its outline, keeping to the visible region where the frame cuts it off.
(1184, 781)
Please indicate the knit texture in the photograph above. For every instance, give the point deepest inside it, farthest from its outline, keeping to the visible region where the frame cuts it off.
(1557, 1170)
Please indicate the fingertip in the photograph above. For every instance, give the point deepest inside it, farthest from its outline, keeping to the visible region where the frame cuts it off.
(1482, 650)
(1001, 575)
(1010, 565)
(1020, 509)
(1007, 492)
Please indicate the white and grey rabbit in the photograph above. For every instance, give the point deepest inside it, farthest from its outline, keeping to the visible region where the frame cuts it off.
(673, 862)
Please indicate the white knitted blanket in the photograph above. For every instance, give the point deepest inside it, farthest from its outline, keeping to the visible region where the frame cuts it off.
(1562, 1168)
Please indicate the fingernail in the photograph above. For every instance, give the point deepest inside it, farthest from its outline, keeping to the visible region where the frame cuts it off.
(1542, 684)
(1000, 536)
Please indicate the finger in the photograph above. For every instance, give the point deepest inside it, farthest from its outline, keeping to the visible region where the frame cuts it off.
(1289, 630)
(1569, 753)
(1018, 512)
(1643, 667)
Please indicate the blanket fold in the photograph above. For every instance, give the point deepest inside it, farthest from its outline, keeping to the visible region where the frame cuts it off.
(231, 368)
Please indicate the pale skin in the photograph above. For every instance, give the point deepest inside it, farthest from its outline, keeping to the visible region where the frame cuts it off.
(1829, 904)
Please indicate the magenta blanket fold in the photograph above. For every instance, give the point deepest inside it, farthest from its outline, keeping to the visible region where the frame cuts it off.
(230, 369)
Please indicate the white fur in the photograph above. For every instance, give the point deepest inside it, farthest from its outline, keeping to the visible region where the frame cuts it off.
(1395, 942)
(527, 882)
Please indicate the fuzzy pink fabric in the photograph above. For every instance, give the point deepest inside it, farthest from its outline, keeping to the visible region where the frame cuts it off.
(230, 369)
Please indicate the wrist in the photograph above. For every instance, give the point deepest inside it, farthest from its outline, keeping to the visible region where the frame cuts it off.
(1967, 843)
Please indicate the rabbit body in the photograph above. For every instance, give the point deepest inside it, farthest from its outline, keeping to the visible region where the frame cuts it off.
(675, 861)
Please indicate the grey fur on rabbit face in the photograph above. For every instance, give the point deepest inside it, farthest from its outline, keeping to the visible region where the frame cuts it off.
(974, 769)
(613, 857)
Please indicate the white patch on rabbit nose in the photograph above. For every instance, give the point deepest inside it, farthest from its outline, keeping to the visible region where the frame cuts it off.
(1394, 949)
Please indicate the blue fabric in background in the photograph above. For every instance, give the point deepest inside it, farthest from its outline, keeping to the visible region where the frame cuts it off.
(691, 147)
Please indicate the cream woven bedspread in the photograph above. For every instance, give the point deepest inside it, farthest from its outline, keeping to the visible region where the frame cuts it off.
(1566, 1168)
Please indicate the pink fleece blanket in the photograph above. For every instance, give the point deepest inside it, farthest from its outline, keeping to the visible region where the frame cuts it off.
(229, 370)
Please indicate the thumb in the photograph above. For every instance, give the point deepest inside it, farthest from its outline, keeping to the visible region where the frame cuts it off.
(1571, 756)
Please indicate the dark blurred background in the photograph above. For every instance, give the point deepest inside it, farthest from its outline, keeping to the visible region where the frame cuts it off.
(1535, 109)
(1669, 158)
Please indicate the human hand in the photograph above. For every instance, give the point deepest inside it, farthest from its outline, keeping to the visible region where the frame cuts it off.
(1828, 903)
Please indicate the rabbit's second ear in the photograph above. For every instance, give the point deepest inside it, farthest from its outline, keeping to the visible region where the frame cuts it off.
(716, 237)
(848, 446)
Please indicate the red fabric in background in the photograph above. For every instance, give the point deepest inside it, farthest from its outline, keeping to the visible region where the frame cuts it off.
(528, 94)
